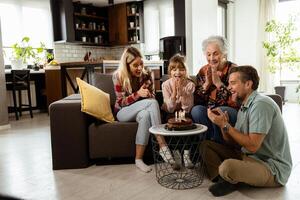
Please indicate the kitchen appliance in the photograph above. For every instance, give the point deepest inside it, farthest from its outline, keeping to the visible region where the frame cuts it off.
(168, 47)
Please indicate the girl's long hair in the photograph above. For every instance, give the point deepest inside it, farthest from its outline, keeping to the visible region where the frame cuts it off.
(128, 56)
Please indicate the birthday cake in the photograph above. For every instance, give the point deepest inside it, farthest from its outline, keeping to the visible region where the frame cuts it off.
(180, 122)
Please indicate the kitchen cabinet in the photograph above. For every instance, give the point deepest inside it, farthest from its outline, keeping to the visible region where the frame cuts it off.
(126, 23)
(62, 18)
(90, 24)
(117, 24)
(134, 14)
(78, 23)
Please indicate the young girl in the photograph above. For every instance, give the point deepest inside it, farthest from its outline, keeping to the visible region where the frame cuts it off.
(178, 94)
(135, 102)
(178, 89)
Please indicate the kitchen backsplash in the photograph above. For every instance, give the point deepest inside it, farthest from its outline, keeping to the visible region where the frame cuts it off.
(73, 53)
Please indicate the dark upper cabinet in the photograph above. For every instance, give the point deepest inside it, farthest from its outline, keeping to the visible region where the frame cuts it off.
(119, 24)
(135, 22)
(126, 23)
(90, 24)
(62, 18)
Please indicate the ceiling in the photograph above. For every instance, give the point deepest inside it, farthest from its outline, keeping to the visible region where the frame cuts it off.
(101, 3)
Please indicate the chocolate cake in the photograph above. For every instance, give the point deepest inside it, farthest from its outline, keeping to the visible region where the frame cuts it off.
(180, 125)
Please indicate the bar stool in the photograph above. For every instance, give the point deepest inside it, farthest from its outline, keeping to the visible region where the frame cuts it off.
(20, 81)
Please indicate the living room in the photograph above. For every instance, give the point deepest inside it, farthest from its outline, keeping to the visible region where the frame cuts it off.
(26, 169)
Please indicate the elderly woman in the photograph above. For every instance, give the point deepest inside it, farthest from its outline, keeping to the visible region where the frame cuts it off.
(211, 88)
(135, 102)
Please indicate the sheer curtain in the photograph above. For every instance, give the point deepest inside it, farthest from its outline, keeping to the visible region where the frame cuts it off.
(158, 23)
(21, 18)
(267, 12)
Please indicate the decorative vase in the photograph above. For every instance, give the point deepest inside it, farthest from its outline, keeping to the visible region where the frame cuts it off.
(18, 64)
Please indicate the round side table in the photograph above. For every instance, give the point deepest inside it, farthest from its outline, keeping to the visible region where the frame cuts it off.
(183, 174)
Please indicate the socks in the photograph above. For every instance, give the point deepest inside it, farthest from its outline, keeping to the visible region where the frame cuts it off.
(165, 153)
(177, 157)
(186, 159)
(142, 166)
(222, 188)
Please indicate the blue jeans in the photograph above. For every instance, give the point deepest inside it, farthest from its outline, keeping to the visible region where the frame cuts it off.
(199, 115)
(146, 112)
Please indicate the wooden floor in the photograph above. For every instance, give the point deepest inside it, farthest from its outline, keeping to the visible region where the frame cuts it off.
(26, 170)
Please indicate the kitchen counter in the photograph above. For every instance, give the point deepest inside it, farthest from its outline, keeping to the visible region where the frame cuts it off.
(106, 66)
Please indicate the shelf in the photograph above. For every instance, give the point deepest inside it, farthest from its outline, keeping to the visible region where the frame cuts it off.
(134, 42)
(90, 16)
(133, 15)
(134, 28)
(90, 30)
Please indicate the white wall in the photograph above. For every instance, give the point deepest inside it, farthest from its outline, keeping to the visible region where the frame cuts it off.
(245, 31)
(203, 15)
(3, 107)
(201, 22)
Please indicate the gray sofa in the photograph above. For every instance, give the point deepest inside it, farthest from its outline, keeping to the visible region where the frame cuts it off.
(79, 140)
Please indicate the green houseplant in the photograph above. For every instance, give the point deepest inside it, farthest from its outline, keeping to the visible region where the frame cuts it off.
(23, 52)
(281, 48)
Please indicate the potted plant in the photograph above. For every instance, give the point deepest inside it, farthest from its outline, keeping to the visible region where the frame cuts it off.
(22, 52)
(281, 48)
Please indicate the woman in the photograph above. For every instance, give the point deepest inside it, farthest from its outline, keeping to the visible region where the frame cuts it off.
(135, 102)
(211, 88)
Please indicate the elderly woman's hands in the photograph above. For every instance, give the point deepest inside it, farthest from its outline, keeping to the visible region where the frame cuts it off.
(215, 74)
(208, 79)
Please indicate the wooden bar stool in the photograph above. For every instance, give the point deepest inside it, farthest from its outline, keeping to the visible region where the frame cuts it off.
(20, 81)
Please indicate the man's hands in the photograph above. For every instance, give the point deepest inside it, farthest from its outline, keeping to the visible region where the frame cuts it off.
(217, 116)
(220, 118)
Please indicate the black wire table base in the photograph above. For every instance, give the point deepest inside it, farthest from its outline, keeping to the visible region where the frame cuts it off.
(178, 175)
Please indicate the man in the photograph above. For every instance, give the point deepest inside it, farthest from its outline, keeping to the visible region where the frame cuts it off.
(257, 149)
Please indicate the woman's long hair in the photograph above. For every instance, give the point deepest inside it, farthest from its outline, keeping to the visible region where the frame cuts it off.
(128, 56)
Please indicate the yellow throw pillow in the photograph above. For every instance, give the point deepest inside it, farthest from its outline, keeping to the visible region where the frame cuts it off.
(94, 101)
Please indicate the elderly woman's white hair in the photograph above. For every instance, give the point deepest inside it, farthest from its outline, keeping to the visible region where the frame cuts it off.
(219, 40)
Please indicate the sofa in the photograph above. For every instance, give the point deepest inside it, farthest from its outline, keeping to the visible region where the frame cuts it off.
(79, 140)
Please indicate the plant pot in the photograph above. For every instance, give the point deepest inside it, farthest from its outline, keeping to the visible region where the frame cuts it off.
(280, 90)
(18, 64)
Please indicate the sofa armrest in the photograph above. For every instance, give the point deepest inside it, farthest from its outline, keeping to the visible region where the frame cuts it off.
(278, 100)
(69, 134)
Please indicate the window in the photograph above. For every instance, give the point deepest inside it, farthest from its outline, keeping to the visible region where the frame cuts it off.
(21, 18)
(283, 10)
(222, 18)
(159, 23)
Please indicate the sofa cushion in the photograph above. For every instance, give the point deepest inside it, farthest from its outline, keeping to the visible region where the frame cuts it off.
(94, 101)
(105, 83)
(117, 139)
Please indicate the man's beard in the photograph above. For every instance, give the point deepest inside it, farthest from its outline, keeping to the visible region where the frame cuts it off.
(239, 101)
